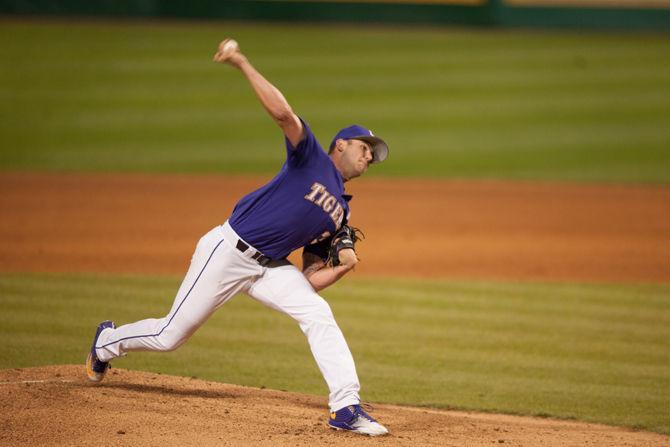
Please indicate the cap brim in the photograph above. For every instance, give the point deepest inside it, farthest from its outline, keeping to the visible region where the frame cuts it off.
(380, 149)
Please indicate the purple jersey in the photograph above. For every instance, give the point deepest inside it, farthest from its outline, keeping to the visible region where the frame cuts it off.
(303, 204)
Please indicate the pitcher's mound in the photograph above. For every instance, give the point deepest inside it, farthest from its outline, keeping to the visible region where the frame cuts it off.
(57, 406)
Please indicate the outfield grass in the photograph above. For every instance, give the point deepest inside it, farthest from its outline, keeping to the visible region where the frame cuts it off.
(133, 96)
(591, 352)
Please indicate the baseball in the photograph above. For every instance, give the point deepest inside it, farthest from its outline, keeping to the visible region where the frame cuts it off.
(228, 47)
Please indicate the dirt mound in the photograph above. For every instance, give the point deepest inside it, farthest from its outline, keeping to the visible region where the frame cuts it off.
(56, 406)
(494, 230)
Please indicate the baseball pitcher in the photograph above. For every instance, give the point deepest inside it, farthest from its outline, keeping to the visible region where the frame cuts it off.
(304, 205)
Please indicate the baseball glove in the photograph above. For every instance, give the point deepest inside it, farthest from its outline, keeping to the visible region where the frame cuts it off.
(346, 237)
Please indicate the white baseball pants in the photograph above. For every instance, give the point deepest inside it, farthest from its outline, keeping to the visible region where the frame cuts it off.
(219, 271)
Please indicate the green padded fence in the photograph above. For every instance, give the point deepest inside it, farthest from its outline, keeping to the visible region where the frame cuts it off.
(588, 14)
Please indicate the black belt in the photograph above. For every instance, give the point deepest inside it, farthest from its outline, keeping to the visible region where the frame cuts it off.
(258, 256)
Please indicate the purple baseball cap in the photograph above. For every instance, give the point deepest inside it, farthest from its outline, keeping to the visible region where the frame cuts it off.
(380, 149)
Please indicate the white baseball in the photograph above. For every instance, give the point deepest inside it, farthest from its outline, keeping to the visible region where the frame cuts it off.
(229, 46)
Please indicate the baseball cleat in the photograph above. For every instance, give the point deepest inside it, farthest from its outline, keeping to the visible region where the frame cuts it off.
(353, 418)
(96, 369)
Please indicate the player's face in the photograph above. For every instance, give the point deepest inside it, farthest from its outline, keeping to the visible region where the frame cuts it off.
(357, 157)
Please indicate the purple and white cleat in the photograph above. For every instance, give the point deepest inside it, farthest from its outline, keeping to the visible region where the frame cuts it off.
(96, 369)
(354, 418)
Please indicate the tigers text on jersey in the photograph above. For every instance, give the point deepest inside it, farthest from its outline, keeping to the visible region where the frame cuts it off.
(303, 204)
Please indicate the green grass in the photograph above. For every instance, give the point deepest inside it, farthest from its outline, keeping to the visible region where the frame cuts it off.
(134, 96)
(590, 352)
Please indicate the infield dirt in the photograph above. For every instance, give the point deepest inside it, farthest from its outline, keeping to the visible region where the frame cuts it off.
(491, 230)
(150, 224)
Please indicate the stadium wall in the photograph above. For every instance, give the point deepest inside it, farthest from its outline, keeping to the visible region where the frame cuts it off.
(586, 14)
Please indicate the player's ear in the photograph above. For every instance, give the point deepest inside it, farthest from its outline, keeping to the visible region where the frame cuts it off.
(340, 145)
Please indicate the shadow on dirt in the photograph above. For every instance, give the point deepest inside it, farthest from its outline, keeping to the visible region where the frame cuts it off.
(166, 390)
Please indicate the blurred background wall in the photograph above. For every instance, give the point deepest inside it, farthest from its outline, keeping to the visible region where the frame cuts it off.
(596, 14)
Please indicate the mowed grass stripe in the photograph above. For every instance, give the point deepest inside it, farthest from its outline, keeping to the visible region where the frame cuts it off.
(591, 352)
(451, 102)
(518, 324)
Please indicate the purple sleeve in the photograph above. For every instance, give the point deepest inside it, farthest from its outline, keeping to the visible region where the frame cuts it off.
(308, 148)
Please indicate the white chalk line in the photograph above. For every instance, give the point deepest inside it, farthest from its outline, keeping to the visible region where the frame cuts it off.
(21, 382)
